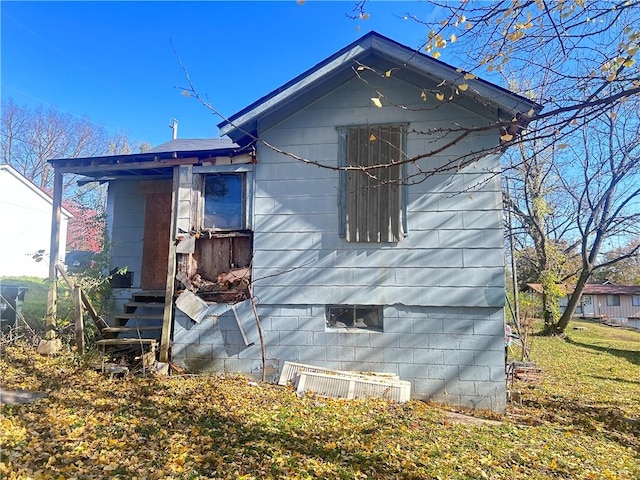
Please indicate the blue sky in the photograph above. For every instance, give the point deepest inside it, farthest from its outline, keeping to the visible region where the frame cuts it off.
(113, 61)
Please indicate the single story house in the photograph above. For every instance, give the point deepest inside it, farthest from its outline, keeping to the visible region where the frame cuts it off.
(25, 219)
(619, 304)
(308, 215)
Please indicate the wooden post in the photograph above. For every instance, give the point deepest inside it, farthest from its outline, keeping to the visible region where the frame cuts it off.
(97, 319)
(78, 318)
(52, 297)
(167, 317)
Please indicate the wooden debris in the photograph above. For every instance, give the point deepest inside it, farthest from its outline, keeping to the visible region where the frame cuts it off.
(177, 368)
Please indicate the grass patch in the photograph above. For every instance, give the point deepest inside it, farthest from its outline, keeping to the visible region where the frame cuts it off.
(579, 421)
(35, 301)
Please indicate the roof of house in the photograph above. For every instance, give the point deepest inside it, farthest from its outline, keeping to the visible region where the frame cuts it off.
(594, 289)
(189, 145)
(157, 161)
(5, 167)
(373, 50)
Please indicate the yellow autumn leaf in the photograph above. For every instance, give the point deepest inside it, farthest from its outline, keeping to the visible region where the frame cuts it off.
(376, 101)
(629, 63)
(506, 137)
(453, 38)
(562, 146)
(436, 54)
(388, 73)
(440, 96)
(469, 76)
(372, 138)
(365, 16)
(463, 87)
(423, 95)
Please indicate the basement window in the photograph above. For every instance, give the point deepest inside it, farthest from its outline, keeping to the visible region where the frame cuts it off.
(354, 317)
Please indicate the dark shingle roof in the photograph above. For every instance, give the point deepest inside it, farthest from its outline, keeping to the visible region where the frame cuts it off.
(194, 145)
(595, 289)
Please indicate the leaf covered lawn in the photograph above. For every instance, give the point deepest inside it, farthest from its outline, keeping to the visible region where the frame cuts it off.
(579, 421)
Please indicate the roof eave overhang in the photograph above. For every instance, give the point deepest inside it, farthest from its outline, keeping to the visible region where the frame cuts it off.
(326, 75)
(158, 164)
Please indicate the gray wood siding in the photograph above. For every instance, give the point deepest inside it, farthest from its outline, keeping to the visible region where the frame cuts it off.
(453, 252)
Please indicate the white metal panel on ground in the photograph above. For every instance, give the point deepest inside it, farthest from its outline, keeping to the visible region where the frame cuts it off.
(352, 386)
(291, 369)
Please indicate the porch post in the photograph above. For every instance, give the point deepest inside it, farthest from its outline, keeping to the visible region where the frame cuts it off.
(167, 317)
(50, 344)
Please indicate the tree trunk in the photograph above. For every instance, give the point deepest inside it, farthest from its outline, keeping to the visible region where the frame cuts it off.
(563, 322)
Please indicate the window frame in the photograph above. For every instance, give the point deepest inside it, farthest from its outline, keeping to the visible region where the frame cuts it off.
(635, 300)
(355, 308)
(342, 195)
(246, 173)
(613, 300)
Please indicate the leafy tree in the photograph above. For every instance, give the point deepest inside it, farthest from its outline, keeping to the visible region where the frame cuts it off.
(625, 271)
(604, 191)
(573, 176)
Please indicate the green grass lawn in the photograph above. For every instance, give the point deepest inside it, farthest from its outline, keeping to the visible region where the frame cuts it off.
(579, 421)
(35, 300)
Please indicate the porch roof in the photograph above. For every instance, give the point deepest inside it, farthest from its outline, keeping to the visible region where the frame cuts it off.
(157, 161)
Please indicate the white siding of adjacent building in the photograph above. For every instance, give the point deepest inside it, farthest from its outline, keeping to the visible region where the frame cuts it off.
(25, 226)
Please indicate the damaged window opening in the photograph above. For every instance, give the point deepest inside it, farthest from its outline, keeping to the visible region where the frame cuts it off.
(354, 317)
(215, 262)
(224, 201)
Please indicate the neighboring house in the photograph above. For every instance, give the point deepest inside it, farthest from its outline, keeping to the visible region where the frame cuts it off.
(348, 271)
(608, 301)
(25, 225)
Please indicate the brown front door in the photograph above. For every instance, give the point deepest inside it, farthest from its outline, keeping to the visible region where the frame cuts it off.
(155, 247)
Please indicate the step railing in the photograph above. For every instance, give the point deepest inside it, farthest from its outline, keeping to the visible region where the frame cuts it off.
(80, 302)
